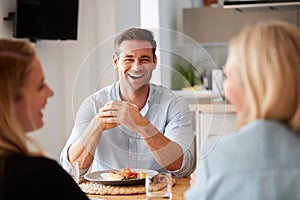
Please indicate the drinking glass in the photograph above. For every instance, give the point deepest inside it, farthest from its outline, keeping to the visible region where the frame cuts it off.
(159, 186)
(73, 170)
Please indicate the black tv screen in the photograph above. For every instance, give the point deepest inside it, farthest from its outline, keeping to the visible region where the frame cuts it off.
(46, 19)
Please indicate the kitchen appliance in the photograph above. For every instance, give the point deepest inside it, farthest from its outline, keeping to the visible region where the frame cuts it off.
(261, 5)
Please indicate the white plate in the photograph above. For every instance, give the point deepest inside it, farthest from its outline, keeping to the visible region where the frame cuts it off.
(96, 176)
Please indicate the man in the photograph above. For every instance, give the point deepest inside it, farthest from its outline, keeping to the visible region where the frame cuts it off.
(133, 123)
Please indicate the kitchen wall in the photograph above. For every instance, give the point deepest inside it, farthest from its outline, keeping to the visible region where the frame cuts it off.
(75, 69)
(71, 67)
(204, 56)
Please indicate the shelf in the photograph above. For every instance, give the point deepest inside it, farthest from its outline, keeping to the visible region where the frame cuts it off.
(206, 101)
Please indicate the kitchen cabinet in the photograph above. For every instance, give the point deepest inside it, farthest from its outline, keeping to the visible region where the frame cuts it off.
(212, 117)
(213, 120)
(218, 25)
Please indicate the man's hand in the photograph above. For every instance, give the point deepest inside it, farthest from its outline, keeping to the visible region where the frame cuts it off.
(168, 154)
(121, 112)
(105, 126)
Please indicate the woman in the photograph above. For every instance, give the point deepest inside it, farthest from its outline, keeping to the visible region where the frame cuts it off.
(262, 81)
(24, 170)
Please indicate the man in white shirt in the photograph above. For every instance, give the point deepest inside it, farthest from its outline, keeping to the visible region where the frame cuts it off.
(133, 123)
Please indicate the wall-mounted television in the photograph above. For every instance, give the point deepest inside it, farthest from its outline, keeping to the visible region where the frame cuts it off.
(46, 19)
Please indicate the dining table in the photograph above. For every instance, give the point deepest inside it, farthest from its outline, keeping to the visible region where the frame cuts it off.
(178, 189)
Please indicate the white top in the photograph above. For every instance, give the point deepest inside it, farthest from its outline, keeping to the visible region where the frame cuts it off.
(260, 161)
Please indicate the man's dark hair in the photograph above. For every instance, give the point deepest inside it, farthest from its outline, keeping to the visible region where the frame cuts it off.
(135, 34)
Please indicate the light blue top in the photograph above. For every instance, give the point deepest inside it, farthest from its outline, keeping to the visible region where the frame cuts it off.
(260, 161)
(120, 147)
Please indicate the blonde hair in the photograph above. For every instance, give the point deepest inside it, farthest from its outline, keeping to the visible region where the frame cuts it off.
(16, 59)
(268, 60)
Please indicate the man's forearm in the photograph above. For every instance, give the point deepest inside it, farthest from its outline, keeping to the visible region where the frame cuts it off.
(168, 154)
(83, 150)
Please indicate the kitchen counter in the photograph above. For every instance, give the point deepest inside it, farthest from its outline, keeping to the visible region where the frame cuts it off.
(201, 95)
(206, 101)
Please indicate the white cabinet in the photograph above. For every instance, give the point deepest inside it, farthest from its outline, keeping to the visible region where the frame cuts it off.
(216, 124)
(211, 115)
(212, 120)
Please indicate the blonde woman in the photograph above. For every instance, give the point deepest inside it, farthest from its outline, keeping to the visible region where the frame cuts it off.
(25, 173)
(261, 159)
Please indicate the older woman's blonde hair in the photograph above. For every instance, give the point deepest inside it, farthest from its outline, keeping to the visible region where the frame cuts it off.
(268, 60)
(16, 59)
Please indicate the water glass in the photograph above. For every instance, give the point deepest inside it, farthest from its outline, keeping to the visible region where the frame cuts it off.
(159, 186)
(73, 170)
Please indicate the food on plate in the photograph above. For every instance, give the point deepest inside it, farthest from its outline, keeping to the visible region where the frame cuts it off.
(111, 176)
(123, 174)
(142, 175)
(127, 173)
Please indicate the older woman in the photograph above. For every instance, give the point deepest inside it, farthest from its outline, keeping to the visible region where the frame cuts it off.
(262, 81)
(25, 172)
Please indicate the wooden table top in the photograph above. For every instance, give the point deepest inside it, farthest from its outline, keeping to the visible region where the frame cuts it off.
(182, 184)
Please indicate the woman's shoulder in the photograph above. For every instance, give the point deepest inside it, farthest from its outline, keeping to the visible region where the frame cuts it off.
(18, 164)
(259, 143)
(36, 178)
(15, 159)
(264, 129)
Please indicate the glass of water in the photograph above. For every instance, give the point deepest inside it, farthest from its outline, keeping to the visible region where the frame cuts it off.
(159, 186)
(73, 170)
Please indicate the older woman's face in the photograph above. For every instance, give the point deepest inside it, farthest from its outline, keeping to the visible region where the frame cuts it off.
(233, 88)
(35, 93)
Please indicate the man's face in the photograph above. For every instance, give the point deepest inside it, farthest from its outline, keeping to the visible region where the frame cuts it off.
(135, 63)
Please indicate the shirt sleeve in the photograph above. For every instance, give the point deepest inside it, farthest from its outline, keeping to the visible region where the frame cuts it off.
(179, 129)
(85, 114)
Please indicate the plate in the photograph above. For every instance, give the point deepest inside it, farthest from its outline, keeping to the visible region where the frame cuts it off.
(96, 176)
